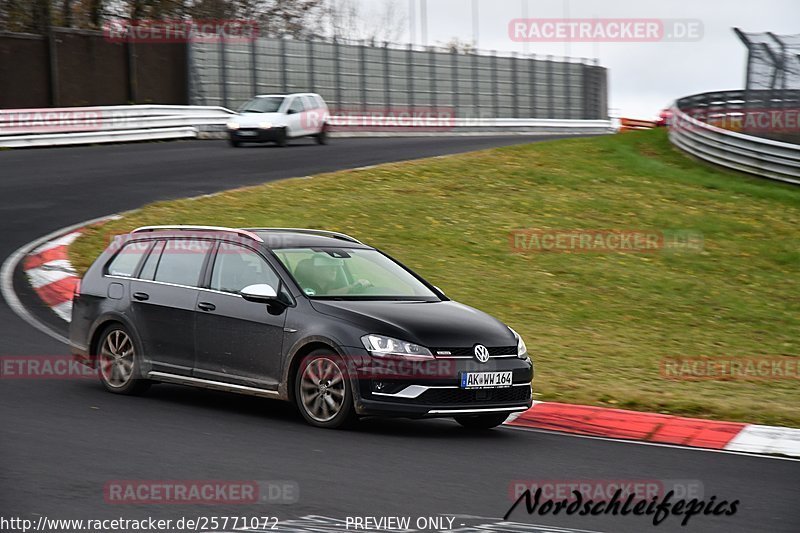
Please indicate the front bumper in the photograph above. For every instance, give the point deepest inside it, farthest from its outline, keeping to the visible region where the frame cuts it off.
(255, 135)
(432, 388)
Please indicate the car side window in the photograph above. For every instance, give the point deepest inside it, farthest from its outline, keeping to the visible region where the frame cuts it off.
(297, 105)
(236, 267)
(309, 102)
(182, 261)
(125, 262)
(149, 268)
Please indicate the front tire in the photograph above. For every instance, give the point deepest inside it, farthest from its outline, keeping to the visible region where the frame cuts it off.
(482, 422)
(322, 136)
(282, 140)
(322, 392)
(234, 143)
(118, 362)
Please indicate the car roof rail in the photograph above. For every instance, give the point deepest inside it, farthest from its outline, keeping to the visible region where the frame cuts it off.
(306, 231)
(241, 232)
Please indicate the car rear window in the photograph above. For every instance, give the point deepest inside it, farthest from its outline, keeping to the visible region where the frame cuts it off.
(125, 262)
(182, 261)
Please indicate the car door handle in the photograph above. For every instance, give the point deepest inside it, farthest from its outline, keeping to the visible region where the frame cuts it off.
(206, 306)
(141, 296)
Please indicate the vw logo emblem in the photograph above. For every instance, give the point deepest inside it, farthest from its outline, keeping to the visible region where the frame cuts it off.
(481, 353)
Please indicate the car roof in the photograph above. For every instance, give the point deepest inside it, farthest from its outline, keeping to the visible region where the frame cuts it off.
(272, 238)
(275, 239)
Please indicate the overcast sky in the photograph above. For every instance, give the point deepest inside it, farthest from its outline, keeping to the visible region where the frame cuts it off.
(643, 77)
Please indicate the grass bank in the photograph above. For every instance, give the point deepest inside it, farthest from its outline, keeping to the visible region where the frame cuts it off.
(599, 324)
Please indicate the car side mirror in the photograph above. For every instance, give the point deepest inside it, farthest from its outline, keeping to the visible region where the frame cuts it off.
(438, 289)
(290, 112)
(260, 293)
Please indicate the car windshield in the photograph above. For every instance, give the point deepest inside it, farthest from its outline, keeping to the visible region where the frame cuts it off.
(353, 274)
(262, 104)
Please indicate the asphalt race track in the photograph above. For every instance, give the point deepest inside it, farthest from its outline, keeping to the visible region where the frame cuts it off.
(63, 440)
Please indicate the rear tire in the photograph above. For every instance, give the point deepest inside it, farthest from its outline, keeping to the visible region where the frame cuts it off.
(322, 391)
(118, 363)
(482, 422)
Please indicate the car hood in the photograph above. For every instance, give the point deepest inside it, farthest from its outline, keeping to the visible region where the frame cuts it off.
(248, 120)
(433, 324)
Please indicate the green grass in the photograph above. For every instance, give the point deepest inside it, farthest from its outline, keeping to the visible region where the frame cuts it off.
(598, 325)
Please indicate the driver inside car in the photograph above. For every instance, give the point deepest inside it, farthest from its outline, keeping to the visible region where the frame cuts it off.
(323, 275)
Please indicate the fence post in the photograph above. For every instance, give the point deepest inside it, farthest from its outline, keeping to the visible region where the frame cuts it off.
(567, 86)
(433, 75)
(130, 52)
(495, 97)
(476, 86)
(410, 76)
(311, 69)
(223, 75)
(337, 73)
(52, 60)
(550, 92)
(254, 65)
(387, 95)
(284, 65)
(532, 82)
(515, 82)
(455, 84)
(362, 57)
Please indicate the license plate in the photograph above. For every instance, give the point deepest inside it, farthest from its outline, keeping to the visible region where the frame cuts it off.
(247, 133)
(485, 380)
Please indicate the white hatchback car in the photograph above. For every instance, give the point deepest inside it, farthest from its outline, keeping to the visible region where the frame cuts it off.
(278, 118)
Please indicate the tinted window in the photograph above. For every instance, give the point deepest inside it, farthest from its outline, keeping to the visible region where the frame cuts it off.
(236, 267)
(149, 268)
(181, 262)
(126, 261)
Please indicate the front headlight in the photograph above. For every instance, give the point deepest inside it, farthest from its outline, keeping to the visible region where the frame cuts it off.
(381, 346)
(522, 350)
(233, 125)
(264, 125)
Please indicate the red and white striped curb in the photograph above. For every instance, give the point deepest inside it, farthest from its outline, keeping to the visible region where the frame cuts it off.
(52, 277)
(658, 428)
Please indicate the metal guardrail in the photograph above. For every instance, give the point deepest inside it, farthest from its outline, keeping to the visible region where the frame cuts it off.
(21, 128)
(90, 125)
(760, 156)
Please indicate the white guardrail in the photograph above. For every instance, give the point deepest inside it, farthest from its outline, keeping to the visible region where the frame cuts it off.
(21, 128)
(754, 155)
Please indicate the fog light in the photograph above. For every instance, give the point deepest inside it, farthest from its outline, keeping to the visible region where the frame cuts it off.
(378, 386)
